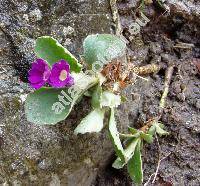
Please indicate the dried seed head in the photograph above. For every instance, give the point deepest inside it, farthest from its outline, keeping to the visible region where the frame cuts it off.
(117, 75)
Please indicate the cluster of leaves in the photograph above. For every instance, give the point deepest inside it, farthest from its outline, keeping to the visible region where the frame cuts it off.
(131, 155)
(38, 106)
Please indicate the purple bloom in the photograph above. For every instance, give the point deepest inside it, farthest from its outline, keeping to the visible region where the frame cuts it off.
(39, 73)
(60, 76)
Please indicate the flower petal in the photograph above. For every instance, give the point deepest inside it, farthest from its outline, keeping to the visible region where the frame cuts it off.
(37, 85)
(35, 79)
(57, 68)
(65, 65)
(39, 73)
(39, 65)
(70, 81)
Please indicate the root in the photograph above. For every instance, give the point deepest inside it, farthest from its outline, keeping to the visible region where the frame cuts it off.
(116, 18)
(168, 77)
(145, 79)
(158, 164)
(182, 45)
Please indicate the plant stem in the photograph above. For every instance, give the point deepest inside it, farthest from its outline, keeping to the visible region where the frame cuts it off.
(148, 124)
(126, 135)
(168, 77)
(116, 18)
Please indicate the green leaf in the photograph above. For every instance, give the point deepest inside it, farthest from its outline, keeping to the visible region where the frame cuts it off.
(123, 98)
(114, 135)
(118, 163)
(93, 122)
(135, 166)
(159, 130)
(109, 99)
(132, 130)
(38, 106)
(103, 48)
(43, 106)
(96, 96)
(128, 153)
(50, 50)
(161, 125)
(147, 137)
(152, 130)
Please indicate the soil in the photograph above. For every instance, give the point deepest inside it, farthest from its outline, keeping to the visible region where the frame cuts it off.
(155, 45)
(52, 155)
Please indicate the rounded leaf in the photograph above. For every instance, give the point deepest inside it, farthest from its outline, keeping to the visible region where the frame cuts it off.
(102, 48)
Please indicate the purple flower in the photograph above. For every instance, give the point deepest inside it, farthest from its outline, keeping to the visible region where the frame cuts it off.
(39, 73)
(60, 76)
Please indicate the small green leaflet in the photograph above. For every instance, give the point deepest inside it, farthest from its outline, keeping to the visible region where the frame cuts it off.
(50, 50)
(132, 130)
(114, 135)
(128, 153)
(147, 137)
(93, 122)
(123, 98)
(158, 128)
(136, 133)
(135, 166)
(152, 130)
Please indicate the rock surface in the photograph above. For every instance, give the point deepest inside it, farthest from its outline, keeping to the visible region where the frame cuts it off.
(52, 155)
(45, 155)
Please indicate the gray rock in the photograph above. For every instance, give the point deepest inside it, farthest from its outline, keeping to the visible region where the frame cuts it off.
(45, 155)
(53, 155)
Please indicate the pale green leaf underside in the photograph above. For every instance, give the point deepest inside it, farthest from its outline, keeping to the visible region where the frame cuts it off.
(93, 122)
(135, 165)
(38, 106)
(114, 135)
(109, 99)
(128, 153)
(50, 50)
